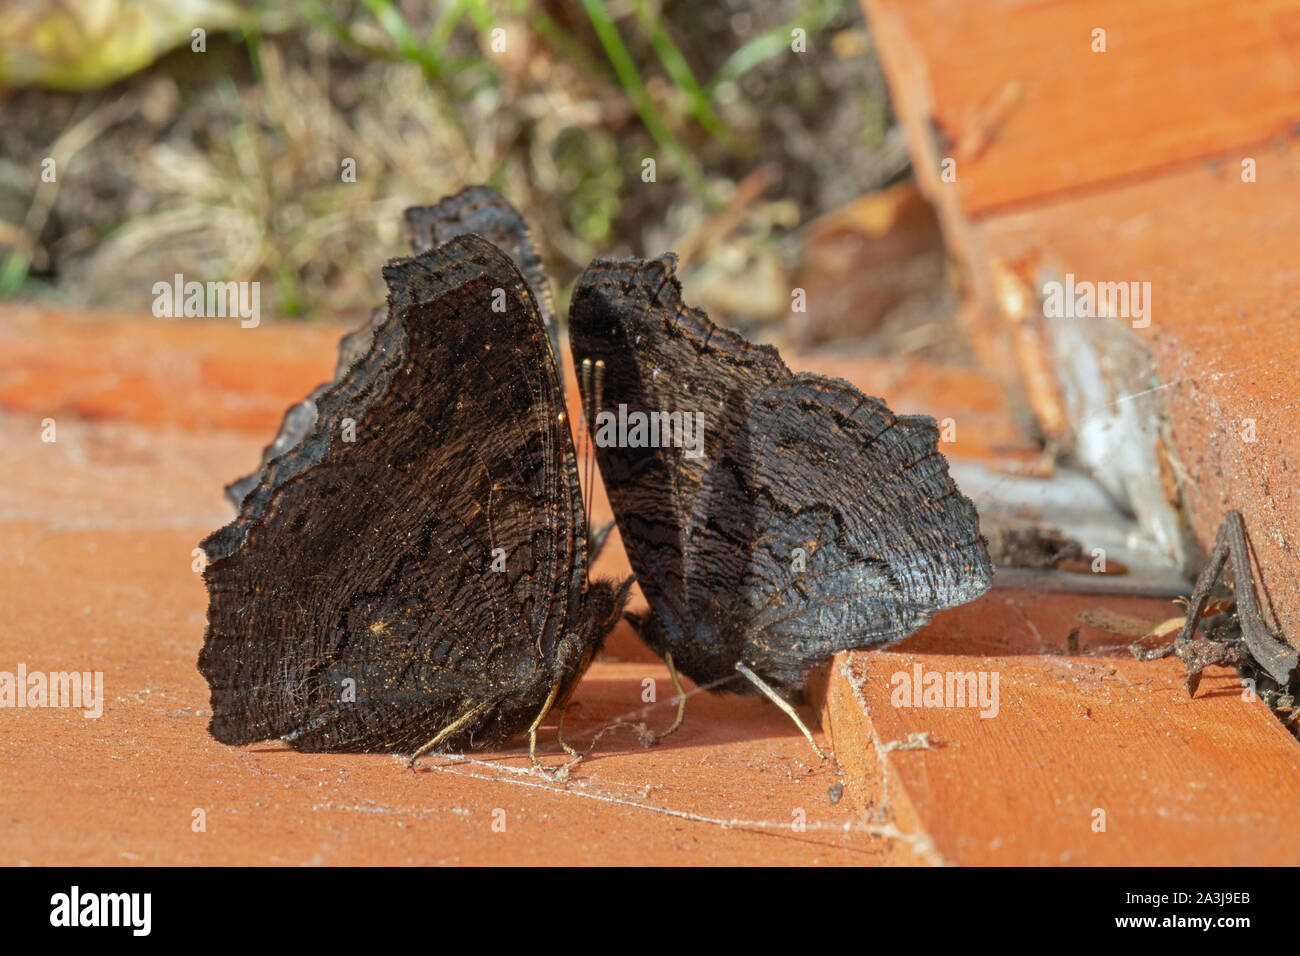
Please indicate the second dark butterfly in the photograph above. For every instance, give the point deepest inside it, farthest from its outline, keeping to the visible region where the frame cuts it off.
(815, 520)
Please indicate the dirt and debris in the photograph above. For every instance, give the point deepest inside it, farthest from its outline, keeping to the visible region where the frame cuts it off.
(1016, 542)
(917, 740)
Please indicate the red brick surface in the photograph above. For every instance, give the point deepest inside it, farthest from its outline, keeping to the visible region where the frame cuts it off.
(1221, 257)
(1079, 741)
(1014, 92)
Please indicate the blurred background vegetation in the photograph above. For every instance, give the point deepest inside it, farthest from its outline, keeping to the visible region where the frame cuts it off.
(226, 163)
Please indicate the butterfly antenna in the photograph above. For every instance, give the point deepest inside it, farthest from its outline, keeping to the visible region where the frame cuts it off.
(584, 440)
(586, 375)
(597, 403)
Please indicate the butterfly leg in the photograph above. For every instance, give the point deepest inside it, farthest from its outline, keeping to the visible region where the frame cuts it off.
(446, 732)
(781, 702)
(559, 735)
(681, 697)
(537, 722)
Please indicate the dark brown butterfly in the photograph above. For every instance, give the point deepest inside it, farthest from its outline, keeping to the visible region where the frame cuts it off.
(410, 572)
(797, 517)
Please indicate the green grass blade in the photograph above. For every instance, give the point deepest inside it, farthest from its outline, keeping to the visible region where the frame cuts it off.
(630, 80)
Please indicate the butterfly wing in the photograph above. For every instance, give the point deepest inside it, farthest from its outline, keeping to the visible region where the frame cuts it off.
(420, 555)
(659, 355)
(825, 523)
(790, 462)
(476, 210)
(482, 211)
